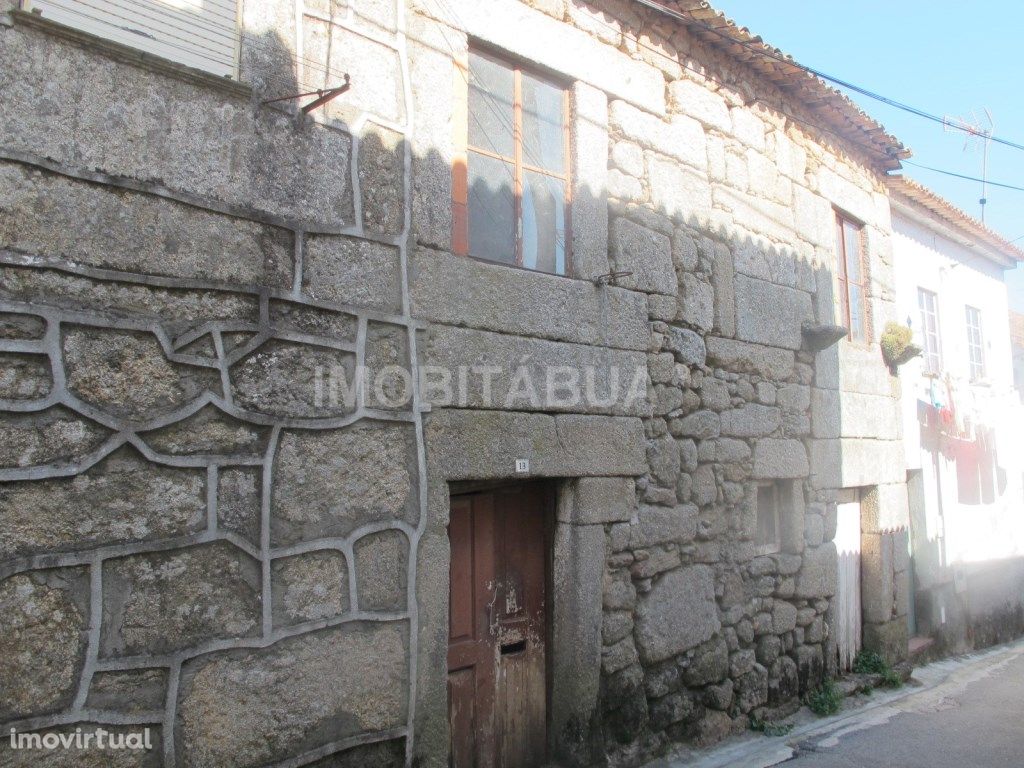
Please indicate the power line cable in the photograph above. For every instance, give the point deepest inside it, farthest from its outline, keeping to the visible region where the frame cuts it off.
(962, 176)
(799, 119)
(810, 124)
(192, 47)
(824, 76)
(326, 71)
(242, 40)
(443, 4)
(170, 19)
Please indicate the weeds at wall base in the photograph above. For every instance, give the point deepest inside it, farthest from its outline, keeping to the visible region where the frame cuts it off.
(824, 700)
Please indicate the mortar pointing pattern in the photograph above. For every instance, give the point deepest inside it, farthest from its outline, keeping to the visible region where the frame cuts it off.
(132, 433)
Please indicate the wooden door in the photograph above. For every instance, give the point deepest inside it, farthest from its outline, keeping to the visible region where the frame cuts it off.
(497, 692)
(848, 604)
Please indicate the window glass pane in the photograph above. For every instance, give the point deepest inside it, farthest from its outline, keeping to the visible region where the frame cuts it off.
(932, 347)
(491, 209)
(975, 350)
(840, 250)
(844, 303)
(490, 105)
(857, 323)
(853, 266)
(543, 136)
(543, 223)
(926, 300)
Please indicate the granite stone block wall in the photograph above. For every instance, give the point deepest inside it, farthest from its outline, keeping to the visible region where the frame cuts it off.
(203, 535)
(197, 538)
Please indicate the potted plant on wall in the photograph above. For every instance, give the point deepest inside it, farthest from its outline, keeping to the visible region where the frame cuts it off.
(898, 345)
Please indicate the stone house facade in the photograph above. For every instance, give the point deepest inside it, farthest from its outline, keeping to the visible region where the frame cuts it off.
(962, 419)
(207, 533)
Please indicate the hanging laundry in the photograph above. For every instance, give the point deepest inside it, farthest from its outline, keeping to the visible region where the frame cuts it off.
(968, 472)
(928, 420)
(986, 465)
(954, 425)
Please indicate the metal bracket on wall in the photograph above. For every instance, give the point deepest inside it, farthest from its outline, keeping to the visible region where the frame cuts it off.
(323, 95)
(612, 277)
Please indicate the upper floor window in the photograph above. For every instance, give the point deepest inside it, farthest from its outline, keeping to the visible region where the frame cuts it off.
(975, 343)
(928, 304)
(197, 33)
(852, 278)
(511, 191)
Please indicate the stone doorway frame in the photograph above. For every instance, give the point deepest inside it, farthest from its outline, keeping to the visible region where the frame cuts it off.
(593, 461)
(548, 491)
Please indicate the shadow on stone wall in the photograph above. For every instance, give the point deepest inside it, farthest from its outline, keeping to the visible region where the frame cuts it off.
(195, 543)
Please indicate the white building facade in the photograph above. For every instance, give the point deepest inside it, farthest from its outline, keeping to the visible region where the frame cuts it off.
(961, 424)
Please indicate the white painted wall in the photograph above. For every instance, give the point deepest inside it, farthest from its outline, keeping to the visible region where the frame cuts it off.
(927, 257)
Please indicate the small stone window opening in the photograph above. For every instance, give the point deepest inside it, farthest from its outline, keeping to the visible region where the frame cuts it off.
(511, 190)
(768, 531)
(853, 278)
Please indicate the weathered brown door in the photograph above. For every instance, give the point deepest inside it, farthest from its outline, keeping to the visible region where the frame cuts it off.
(497, 693)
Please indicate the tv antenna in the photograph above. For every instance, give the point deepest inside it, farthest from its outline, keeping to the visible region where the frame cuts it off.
(977, 132)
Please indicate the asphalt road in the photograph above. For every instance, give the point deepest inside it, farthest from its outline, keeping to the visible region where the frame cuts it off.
(977, 725)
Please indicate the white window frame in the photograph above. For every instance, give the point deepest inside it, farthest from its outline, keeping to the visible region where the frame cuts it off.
(975, 343)
(931, 342)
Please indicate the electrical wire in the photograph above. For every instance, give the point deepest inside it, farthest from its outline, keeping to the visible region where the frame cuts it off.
(789, 115)
(799, 119)
(167, 18)
(191, 48)
(241, 38)
(968, 178)
(328, 72)
(488, 210)
(824, 76)
(870, 148)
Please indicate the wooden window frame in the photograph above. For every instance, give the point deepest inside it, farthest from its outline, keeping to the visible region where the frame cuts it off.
(845, 284)
(462, 148)
(977, 328)
(928, 369)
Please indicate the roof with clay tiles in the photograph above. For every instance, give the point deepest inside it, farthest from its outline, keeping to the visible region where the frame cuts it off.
(836, 111)
(997, 247)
